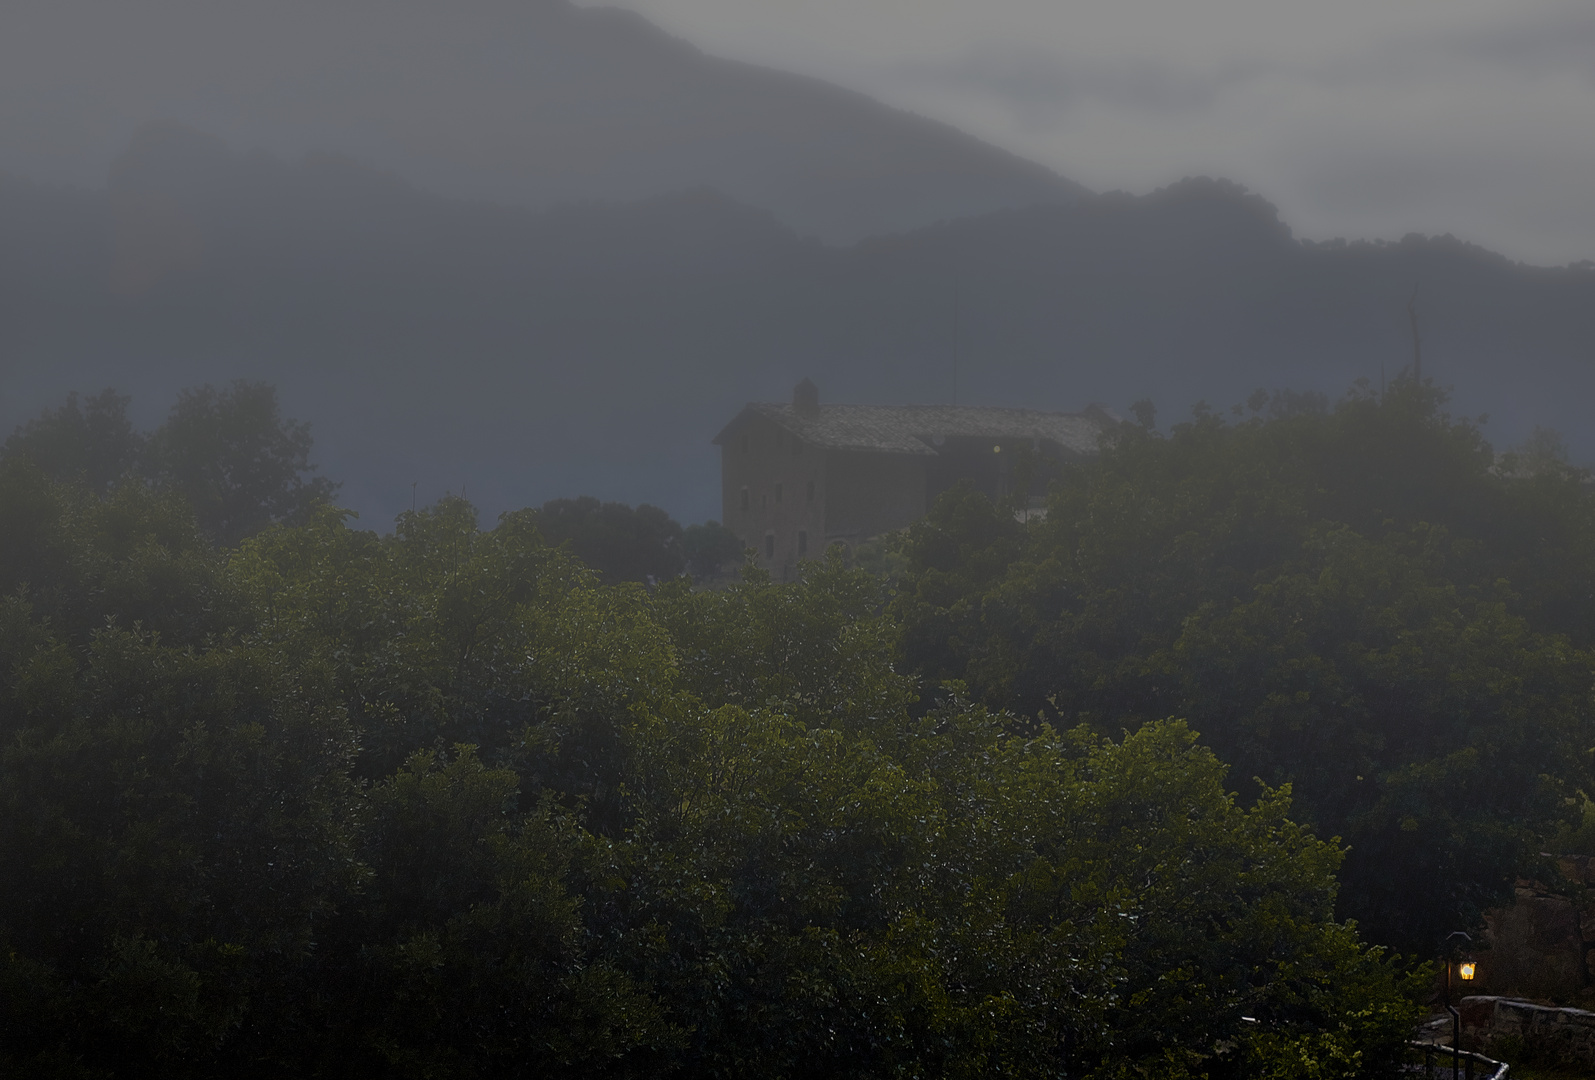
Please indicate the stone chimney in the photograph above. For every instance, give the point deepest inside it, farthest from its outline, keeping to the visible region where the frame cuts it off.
(806, 400)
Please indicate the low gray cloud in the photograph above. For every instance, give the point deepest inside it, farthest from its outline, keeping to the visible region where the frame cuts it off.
(1359, 119)
(1036, 85)
(1533, 42)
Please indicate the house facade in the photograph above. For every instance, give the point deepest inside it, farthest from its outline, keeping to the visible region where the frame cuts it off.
(799, 477)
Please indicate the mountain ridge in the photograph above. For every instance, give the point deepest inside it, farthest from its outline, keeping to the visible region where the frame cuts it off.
(522, 355)
(519, 103)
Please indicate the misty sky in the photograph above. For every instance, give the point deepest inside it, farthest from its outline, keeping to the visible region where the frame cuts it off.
(1359, 118)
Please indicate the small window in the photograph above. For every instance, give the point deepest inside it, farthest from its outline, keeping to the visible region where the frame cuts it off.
(803, 542)
(811, 491)
(747, 443)
(769, 545)
(744, 498)
(778, 493)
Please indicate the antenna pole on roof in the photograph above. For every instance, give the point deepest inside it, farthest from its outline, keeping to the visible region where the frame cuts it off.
(1417, 342)
(955, 337)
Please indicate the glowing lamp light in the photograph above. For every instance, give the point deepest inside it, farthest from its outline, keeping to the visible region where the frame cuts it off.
(1465, 970)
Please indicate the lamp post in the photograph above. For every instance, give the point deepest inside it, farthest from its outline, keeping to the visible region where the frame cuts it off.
(1455, 951)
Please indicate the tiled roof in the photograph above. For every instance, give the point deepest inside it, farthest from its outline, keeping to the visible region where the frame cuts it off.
(914, 429)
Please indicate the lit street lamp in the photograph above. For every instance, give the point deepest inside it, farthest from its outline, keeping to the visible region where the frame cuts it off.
(1456, 955)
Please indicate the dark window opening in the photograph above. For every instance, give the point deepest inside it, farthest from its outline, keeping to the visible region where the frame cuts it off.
(769, 545)
(803, 542)
(811, 491)
(744, 498)
(778, 493)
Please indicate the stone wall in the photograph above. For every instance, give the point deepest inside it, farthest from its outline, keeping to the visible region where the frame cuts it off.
(1543, 945)
(1496, 1024)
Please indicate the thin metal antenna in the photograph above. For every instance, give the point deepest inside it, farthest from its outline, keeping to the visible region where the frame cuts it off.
(1417, 342)
(956, 332)
(412, 495)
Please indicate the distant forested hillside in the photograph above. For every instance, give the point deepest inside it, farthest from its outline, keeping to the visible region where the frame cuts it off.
(519, 356)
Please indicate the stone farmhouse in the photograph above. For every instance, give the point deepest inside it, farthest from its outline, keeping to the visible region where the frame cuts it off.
(798, 478)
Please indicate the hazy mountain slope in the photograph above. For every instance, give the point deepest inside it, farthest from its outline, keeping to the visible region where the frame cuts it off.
(520, 356)
(1198, 291)
(526, 102)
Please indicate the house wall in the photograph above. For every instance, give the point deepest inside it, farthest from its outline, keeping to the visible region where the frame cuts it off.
(784, 518)
(866, 494)
(970, 459)
(789, 500)
(994, 471)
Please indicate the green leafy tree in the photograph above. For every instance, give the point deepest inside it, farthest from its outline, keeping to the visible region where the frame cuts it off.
(821, 650)
(194, 882)
(173, 826)
(971, 903)
(620, 542)
(443, 633)
(709, 548)
(228, 453)
(93, 442)
(441, 804)
(237, 461)
(466, 954)
(1356, 602)
(133, 555)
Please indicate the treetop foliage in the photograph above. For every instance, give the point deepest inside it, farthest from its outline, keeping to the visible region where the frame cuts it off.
(710, 548)
(94, 442)
(1361, 602)
(237, 461)
(442, 803)
(238, 464)
(620, 542)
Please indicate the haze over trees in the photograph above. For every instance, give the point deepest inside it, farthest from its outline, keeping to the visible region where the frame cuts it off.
(1184, 778)
(229, 453)
(1363, 602)
(442, 803)
(618, 542)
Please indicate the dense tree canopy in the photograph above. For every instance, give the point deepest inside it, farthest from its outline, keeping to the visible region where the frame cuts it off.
(229, 453)
(620, 542)
(441, 803)
(1362, 602)
(93, 442)
(239, 463)
(710, 548)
